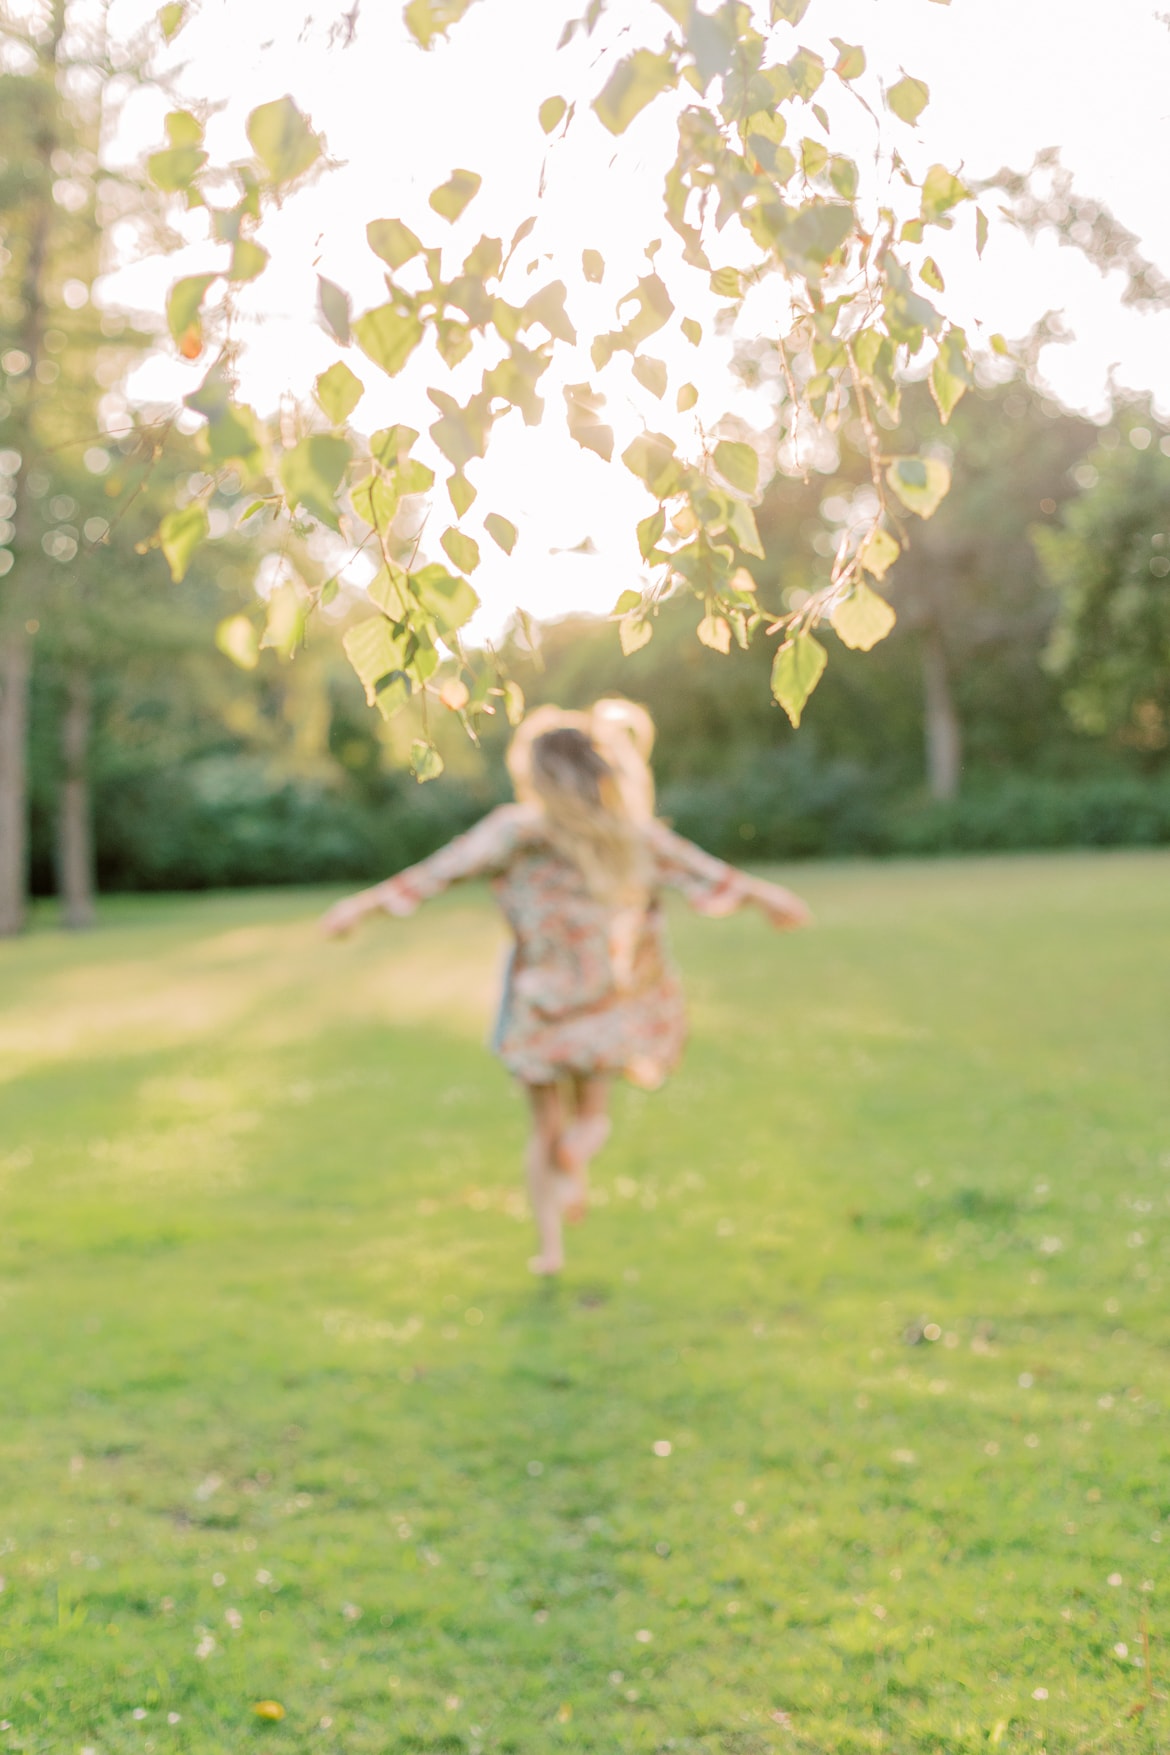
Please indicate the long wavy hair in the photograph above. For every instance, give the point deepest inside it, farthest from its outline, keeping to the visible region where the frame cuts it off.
(593, 787)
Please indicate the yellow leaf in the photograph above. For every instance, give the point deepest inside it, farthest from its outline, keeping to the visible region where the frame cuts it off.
(455, 694)
(716, 633)
(634, 633)
(796, 671)
(921, 483)
(862, 619)
(878, 553)
(237, 639)
(269, 1709)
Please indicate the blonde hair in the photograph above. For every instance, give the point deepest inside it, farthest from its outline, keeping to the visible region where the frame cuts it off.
(590, 776)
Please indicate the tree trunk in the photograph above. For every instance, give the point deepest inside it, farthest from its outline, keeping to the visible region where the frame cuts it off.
(74, 824)
(15, 670)
(944, 737)
(15, 647)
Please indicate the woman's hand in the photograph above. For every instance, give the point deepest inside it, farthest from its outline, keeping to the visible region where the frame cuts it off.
(784, 911)
(345, 915)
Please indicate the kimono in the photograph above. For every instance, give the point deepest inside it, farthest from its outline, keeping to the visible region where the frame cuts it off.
(591, 988)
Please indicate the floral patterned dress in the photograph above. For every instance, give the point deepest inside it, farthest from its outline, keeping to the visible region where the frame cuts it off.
(590, 989)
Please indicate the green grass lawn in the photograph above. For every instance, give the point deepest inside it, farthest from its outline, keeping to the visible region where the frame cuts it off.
(845, 1431)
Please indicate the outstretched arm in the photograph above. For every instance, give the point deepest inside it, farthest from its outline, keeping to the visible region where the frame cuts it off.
(486, 848)
(713, 887)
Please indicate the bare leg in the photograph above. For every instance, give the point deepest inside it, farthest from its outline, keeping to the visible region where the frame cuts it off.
(581, 1140)
(543, 1180)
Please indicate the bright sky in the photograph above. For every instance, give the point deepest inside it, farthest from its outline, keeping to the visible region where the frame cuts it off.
(1007, 77)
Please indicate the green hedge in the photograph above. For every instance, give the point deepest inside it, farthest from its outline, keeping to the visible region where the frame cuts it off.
(786, 805)
(226, 822)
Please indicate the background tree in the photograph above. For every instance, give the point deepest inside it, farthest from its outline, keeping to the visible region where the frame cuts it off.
(58, 355)
(1109, 560)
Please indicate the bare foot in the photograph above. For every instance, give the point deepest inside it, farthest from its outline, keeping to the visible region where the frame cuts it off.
(580, 1142)
(574, 1198)
(544, 1265)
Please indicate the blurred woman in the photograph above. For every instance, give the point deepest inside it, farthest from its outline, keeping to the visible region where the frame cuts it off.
(578, 865)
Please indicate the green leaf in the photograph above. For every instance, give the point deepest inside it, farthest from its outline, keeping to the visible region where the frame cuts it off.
(651, 458)
(788, 11)
(461, 433)
(654, 310)
(941, 190)
(908, 316)
(180, 534)
(850, 59)
(548, 308)
(175, 168)
(339, 391)
(184, 129)
(413, 477)
(981, 230)
(284, 627)
(932, 275)
(738, 464)
(375, 500)
(390, 445)
(806, 238)
(449, 601)
(651, 374)
(233, 435)
(461, 550)
(878, 553)
(715, 632)
(428, 20)
(451, 197)
(394, 242)
(388, 336)
(502, 531)
(375, 652)
(485, 260)
(550, 112)
(727, 283)
(843, 176)
(686, 398)
(172, 18)
(921, 483)
(582, 403)
(630, 600)
(950, 374)
(650, 532)
(862, 619)
(593, 266)
(908, 98)
(513, 702)
(185, 312)
(813, 157)
(806, 71)
(634, 633)
(311, 475)
(634, 83)
(741, 522)
(335, 309)
(460, 493)
(282, 140)
(796, 671)
(249, 259)
(692, 330)
(238, 640)
(425, 761)
(390, 590)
